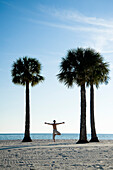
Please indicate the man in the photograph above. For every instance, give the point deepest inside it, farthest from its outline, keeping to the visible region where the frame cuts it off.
(55, 132)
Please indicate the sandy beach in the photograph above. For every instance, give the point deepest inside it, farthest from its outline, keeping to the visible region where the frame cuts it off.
(63, 154)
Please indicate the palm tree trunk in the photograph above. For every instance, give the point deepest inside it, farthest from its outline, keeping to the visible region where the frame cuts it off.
(27, 119)
(83, 134)
(94, 137)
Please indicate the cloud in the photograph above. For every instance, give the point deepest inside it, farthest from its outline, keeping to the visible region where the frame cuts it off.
(75, 16)
(76, 21)
(71, 27)
(78, 17)
(98, 31)
(108, 52)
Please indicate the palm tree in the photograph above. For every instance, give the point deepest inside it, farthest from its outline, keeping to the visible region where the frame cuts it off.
(74, 69)
(98, 74)
(26, 71)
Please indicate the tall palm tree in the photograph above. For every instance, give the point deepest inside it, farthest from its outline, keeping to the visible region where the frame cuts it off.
(98, 74)
(74, 69)
(26, 71)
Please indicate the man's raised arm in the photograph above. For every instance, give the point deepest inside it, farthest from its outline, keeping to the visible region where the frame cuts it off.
(60, 123)
(48, 123)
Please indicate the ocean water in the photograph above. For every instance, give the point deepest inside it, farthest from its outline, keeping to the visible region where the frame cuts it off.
(20, 136)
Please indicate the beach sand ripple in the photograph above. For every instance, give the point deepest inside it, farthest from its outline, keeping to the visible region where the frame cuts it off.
(63, 154)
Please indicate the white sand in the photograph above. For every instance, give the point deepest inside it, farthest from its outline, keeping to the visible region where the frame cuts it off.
(63, 154)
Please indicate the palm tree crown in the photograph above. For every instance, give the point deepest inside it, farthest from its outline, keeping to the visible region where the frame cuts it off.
(26, 70)
(74, 68)
(98, 69)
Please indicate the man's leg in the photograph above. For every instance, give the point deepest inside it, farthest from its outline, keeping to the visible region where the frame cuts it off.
(55, 133)
(53, 137)
(58, 133)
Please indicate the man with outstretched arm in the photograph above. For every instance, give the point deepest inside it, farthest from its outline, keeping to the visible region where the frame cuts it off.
(55, 132)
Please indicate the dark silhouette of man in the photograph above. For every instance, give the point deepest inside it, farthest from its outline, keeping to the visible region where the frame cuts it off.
(55, 132)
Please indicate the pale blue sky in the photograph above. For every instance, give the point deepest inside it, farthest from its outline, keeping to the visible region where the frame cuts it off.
(46, 29)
